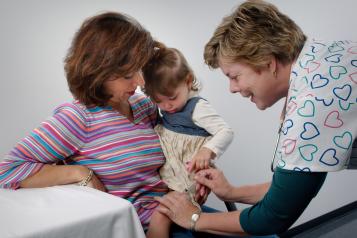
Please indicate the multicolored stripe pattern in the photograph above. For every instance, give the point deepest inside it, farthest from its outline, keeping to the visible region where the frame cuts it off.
(125, 156)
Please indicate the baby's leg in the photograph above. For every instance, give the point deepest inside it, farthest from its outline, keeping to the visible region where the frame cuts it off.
(159, 226)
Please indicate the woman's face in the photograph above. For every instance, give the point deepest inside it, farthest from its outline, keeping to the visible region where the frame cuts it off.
(262, 87)
(123, 87)
(176, 101)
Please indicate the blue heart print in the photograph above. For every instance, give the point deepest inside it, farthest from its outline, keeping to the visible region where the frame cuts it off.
(354, 63)
(287, 125)
(306, 59)
(316, 47)
(344, 141)
(310, 131)
(335, 47)
(324, 101)
(306, 169)
(336, 58)
(329, 157)
(318, 81)
(343, 92)
(293, 76)
(307, 151)
(337, 71)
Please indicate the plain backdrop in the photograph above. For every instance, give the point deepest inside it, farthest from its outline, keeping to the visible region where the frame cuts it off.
(35, 36)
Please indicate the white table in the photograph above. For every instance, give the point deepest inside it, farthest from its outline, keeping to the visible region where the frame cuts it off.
(66, 211)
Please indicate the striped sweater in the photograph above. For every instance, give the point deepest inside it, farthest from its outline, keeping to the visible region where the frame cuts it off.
(125, 156)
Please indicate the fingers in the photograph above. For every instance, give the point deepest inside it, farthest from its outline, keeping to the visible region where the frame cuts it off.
(164, 210)
(205, 177)
(203, 190)
(192, 167)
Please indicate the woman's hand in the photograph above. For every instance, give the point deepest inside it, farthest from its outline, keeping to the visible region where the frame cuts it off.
(215, 180)
(177, 207)
(201, 160)
(96, 184)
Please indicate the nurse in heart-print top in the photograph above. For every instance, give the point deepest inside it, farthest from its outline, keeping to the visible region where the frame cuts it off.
(267, 57)
(321, 118)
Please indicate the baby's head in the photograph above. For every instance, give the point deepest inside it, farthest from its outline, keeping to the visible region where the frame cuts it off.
(169, 79)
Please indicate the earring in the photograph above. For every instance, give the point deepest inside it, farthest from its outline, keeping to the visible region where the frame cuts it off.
(275, 73)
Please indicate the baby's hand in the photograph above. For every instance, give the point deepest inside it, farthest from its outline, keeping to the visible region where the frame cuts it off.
(201, 160)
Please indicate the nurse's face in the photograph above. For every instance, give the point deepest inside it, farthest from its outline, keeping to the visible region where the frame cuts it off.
(261, 87)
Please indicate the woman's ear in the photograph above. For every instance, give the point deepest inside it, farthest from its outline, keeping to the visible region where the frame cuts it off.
(272, 65)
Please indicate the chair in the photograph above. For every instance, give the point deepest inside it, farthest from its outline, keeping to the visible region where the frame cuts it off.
(231, 206)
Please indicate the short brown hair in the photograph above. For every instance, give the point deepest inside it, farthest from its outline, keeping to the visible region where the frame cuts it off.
(253, 33)
(106, 45)
(165, 71)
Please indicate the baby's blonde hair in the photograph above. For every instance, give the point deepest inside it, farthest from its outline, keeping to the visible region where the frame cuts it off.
(165, 71)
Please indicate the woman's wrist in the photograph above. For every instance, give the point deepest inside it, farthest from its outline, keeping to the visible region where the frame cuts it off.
(80, 173)
(199, 225)
(86, 180)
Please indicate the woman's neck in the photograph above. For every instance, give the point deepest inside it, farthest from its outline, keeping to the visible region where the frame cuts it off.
(284, 72)
(123, 108)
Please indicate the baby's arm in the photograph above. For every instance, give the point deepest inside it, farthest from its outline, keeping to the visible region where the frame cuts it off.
(159, 225)
(222, 135)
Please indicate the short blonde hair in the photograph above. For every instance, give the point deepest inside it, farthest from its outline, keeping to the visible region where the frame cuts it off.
(253, 33)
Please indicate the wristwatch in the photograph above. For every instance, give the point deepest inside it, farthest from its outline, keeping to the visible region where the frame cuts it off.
(194, 219)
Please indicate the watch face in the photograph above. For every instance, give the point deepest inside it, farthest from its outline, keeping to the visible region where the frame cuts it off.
(195, 217)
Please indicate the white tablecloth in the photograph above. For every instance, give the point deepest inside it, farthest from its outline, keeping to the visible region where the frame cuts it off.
(66, 211)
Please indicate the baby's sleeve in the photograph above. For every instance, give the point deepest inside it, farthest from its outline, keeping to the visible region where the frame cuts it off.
(205, 116)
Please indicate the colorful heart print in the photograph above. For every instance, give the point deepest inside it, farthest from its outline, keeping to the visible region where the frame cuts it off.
(317, 46)
(354, 63)
(336, 71)
(306, 169)
(329, 157)
(336, 58)
(306, 59)
(343, 92)
(307, 110)
(345, 106)
(326, 102)
(353, 77)
(307, 151)
(289, 146)
(333, 120)
(335, 48)
(310, 131)
(291, 107)
(312, 66)
(344, 141)
(352, 50)
(287, 125)
(318, 81)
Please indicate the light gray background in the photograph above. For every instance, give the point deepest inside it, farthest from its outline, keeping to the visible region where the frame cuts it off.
(35, 36)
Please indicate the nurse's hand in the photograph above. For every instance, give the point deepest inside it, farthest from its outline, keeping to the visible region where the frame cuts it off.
(215, 180)
(177, 207)
(202, 193)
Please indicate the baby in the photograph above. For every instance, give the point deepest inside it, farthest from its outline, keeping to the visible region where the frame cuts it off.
(191, 132)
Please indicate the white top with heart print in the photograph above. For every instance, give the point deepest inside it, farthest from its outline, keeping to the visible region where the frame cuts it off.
(321, 115)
